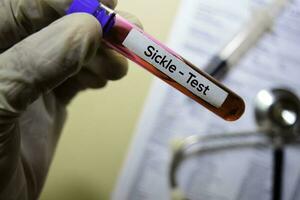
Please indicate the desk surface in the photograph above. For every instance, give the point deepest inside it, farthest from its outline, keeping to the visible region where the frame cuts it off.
(101, 123)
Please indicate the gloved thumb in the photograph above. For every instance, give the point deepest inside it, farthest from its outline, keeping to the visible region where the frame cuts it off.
(45, 59)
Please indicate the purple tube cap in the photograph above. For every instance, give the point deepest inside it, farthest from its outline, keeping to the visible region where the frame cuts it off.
(93, 7)
(86, 6)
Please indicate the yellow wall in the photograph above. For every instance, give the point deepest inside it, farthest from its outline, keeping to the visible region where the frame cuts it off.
(101, 123)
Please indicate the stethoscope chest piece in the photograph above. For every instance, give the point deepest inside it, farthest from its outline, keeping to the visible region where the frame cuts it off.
(277, 114)
(278, 110)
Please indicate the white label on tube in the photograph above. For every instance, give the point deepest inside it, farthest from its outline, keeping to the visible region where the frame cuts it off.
(176, 69)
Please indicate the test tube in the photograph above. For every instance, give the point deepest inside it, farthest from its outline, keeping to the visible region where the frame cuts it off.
(138, 46)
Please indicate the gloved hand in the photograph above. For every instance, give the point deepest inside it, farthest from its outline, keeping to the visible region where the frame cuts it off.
(42, 67)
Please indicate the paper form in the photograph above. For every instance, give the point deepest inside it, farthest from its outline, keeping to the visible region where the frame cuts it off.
(201, 29)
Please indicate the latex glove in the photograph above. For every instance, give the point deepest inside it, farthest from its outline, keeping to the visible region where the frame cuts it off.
(38, 77)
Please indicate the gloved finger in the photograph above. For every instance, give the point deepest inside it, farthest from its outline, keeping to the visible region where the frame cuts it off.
(20, 18)
(47, 58)
(110, 3)
(66, 91)
(81, 81)
(108, 64)
(131, 18)
(88, 79)
(95, 75)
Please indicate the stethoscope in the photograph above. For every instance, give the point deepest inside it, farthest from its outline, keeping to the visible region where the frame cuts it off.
(277, 114)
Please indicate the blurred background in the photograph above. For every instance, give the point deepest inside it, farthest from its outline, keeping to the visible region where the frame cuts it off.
(101, 123)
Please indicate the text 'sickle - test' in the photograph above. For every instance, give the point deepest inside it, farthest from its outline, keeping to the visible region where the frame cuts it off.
(141, 48)
(168, 64)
